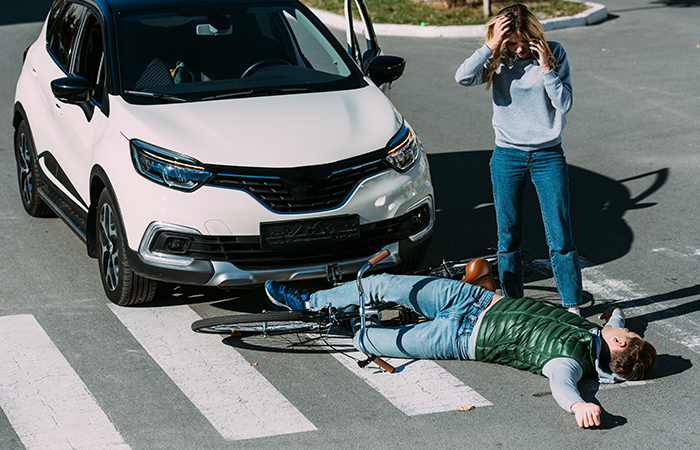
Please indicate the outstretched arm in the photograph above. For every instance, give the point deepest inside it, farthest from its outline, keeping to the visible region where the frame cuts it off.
(587, 414)
(614, 317)
(564, 374)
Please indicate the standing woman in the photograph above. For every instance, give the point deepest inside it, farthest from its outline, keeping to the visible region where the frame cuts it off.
(531, 95)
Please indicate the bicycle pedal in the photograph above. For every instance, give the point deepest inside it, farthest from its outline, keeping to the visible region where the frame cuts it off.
(333, 274)
(364, 363)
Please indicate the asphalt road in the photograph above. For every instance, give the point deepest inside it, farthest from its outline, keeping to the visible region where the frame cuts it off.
(137, 378)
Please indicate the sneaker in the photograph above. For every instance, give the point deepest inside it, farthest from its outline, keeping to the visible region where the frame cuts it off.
(287, 298)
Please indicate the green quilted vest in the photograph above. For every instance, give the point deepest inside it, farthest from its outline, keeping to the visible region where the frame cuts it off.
(526, 334)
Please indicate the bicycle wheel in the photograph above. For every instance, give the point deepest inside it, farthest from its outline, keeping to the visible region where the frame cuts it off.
(276, 322)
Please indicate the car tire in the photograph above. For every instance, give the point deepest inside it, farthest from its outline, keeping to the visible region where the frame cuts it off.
(28, 173)
(122, 286)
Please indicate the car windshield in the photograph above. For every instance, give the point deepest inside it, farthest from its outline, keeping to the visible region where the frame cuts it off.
(226, 52)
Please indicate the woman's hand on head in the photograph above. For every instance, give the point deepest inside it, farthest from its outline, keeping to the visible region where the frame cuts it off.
(539, 50)
(500, 29)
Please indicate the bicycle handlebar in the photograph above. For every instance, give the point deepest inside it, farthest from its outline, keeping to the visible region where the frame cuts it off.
(383, 364)
(374, 261)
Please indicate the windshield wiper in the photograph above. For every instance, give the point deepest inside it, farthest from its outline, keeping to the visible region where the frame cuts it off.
(258, 91)
(158, 95)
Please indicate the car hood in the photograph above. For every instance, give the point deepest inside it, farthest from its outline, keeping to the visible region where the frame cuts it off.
(274, 131)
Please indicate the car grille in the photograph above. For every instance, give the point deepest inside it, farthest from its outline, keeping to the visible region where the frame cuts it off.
(301, 189)
(247, 253)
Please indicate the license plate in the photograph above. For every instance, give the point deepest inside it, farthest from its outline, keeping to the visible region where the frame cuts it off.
(299, 233)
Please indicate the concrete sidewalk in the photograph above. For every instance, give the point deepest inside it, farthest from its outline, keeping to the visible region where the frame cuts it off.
(595, 14)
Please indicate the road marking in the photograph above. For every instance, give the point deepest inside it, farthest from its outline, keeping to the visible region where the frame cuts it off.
(416, 387)
(45, 401)
(680, 329)
(236, 399)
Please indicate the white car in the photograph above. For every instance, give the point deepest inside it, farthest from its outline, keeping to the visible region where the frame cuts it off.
(218, 143)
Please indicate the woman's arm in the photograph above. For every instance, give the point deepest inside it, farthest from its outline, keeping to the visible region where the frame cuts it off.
(564, 374)
(474, 69)
(557, 82)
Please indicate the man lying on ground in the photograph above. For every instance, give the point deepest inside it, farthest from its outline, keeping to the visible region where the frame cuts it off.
(469, 322)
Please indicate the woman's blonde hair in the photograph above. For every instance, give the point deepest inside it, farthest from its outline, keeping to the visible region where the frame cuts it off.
(522, 21)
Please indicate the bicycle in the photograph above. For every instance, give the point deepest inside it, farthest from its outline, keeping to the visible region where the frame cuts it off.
(272, 323)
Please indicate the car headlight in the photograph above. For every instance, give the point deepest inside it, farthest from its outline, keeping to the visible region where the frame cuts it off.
(166, 167)
(403, 150)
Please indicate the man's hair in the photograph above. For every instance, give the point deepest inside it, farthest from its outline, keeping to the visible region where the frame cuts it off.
(634, 361)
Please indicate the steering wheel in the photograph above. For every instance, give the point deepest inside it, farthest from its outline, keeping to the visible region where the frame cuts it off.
(264, 63)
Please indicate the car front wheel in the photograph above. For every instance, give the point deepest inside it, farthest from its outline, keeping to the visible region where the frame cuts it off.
(120, 283)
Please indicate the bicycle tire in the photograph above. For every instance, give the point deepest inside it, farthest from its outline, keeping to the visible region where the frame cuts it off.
(275, 322)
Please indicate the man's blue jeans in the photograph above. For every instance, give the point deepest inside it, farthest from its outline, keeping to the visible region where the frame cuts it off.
(453, 308)
(549, 174)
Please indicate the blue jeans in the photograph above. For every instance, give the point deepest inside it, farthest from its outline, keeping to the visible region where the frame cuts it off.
(453, 308)
(550, 176)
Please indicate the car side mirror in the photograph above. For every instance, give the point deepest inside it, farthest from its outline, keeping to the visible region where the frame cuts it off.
(385, 69)
(74, 91)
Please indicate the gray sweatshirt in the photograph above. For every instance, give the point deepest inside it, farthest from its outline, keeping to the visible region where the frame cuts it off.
(529, 106)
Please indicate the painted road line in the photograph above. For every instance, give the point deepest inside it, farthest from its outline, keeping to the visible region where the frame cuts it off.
(416, 387)
(236, 399)
(680, 329)
(45, 401)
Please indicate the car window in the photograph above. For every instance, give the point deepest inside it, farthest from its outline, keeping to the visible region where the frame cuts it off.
(316, 51)
(208, 53)
(64, 32)
(89, 57)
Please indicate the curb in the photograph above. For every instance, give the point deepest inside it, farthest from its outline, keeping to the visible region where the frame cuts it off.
(595, 14)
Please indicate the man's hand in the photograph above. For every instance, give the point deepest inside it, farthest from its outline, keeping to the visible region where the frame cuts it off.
(608, 313)
(587, 414)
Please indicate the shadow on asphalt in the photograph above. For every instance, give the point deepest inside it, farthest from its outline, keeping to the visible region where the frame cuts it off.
(466, 221)
(24, 11)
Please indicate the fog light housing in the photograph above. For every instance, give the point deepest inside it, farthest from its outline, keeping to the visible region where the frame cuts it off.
(420, 219)
(177, 245)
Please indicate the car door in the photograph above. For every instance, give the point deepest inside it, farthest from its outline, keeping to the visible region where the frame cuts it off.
(52, 63)
(361, 55)
(78, 124)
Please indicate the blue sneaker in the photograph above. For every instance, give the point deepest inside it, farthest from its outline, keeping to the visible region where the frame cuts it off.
(285, 297)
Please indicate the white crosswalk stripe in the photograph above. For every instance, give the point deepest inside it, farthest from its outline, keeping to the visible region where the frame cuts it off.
(43, 398)
(416, 387)
(236, 399)
(681, 329)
